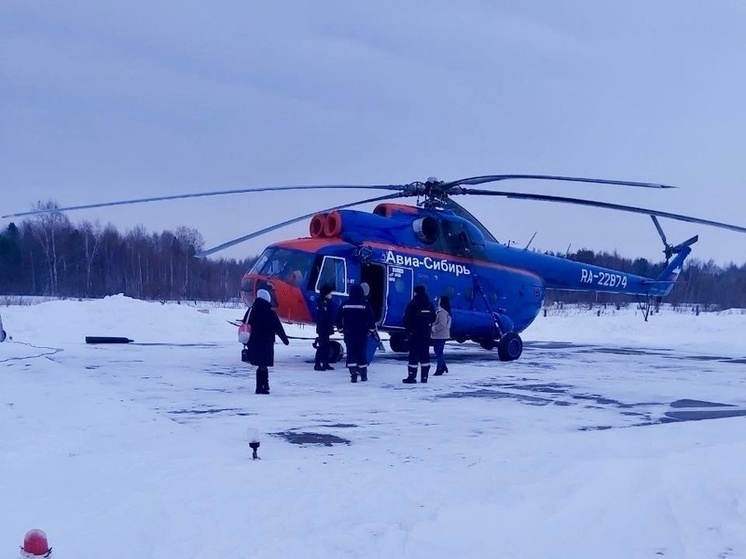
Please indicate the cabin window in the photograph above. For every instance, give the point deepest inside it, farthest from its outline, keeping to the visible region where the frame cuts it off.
(333, 272)
(402, 286)
(291, 266)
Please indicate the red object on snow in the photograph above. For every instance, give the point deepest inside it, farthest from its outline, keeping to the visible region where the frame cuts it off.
(35, 544)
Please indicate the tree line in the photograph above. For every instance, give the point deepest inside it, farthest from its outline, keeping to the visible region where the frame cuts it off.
(48, 255)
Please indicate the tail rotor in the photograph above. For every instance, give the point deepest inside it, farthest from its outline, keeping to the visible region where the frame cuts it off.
(668, 249)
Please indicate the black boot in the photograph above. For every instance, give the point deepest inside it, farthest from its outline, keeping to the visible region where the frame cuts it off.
(353, 374)
(259, 383)
(424, 370)
(363, 374)
(445, 368)
(327, 367)
(319, 357)
(439, 371)
(411, 376)
(262, 380)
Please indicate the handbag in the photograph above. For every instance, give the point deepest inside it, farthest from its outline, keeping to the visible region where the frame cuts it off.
(244, 332)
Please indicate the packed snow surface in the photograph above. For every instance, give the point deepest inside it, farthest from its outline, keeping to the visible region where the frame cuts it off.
(611, 437)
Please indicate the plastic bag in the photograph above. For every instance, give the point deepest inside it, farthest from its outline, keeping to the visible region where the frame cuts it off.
(244, 331)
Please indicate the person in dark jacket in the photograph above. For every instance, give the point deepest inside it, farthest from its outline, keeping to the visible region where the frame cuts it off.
(265, 324)
(418, 319)
(357, 322)
(325, 314)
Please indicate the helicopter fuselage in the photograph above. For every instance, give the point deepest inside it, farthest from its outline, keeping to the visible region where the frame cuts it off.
(494, 289)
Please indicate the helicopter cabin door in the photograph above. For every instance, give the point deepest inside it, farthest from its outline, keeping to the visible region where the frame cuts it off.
(399, 287)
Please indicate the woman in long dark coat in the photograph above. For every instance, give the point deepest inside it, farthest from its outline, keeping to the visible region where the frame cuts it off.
(265, 324)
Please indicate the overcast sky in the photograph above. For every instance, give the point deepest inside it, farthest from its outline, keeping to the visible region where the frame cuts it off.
(103, 100)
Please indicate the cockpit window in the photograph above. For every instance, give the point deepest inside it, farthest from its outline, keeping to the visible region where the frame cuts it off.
(333, 272)
(462, 239)
(457, 239)
(291, 266)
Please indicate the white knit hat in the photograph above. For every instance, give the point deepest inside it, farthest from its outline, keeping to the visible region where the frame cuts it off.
(264, 294)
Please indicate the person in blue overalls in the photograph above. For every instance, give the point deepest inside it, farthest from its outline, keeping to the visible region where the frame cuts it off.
(324, 328)
(357, 322)
(418, 319)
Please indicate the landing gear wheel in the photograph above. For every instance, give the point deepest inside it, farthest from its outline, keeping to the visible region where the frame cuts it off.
(335, 353)
(510, 347)
(399, 343)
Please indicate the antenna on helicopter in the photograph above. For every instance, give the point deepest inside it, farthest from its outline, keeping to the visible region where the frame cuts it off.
(567, 252)
(531, 240)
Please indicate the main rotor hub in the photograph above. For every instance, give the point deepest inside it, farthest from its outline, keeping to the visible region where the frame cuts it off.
(432, 193)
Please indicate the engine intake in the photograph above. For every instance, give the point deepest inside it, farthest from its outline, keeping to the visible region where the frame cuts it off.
(333, 224)
(316, 227)
(426, 229)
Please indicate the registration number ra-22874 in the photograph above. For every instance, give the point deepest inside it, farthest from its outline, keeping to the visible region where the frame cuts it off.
(603, 279)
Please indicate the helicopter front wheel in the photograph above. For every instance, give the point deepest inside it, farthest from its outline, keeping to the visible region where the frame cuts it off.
(335, 352)
(398, 342)
(510, 347)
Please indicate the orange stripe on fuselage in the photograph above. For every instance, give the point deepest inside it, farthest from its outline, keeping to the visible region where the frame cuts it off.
(450, 257)
(308, 244)
(389, 209)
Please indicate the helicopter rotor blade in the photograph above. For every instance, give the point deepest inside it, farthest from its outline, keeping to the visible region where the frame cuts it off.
(472, 181)
(595, 204)
(206, 194)
(228, 244)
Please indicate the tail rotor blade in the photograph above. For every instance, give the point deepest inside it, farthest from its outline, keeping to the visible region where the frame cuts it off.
(660, 229)
(686, 243)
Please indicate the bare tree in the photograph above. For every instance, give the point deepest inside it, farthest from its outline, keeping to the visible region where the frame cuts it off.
(92, 235)
(48, 228)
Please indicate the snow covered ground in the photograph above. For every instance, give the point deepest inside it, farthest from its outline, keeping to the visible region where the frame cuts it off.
(586, 447)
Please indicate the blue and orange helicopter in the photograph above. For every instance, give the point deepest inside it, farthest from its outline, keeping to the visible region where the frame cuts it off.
(496, 290)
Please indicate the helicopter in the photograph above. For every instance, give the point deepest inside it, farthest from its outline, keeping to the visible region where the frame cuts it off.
(496, 290)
